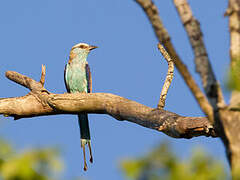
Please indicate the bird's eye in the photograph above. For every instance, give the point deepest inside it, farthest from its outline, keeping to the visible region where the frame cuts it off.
(81, 46)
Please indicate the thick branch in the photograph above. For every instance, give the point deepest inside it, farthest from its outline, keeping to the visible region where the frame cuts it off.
(40, 103)
(115, 106)
(233, 12)
(169, 76)
(124, 109)
(152, 13)
(232, 121)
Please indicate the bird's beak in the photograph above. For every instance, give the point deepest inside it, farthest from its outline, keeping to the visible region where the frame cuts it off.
(92, 47)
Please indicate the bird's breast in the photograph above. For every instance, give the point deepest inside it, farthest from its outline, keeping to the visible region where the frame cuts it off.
(76, 77)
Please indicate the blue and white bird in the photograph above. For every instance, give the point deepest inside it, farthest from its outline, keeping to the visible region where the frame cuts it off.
(78, 79)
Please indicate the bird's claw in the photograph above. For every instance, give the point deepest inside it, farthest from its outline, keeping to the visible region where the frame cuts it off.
(83, 143)
(90, 151)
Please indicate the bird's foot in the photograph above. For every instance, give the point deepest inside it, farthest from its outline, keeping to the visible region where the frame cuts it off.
(83, 143)
(90, 151)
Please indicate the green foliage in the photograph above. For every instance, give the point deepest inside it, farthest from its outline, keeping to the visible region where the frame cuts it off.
(38, 164)
(233, 82)
(161, 163)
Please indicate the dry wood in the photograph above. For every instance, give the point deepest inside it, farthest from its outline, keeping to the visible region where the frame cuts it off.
(169, 76)
(40, 102)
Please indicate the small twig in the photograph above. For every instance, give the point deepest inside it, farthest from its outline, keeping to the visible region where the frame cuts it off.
(42, 80)
(169, 76)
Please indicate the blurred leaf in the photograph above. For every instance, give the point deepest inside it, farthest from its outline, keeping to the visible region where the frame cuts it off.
(162, 163)
(5, 149)
(133, 168)
(36, 164)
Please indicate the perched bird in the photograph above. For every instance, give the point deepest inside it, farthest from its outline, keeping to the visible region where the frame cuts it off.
(78, 79)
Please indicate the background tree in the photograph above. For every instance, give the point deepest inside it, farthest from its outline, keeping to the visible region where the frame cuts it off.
(35, 164)
(162, 163)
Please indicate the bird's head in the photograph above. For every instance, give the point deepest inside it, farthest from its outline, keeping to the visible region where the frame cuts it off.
(82, 48)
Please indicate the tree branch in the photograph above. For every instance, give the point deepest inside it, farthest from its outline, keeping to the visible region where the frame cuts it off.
(152, 13)
(40, 103)
(25, 81)
(169, 76)
(203, 65)
(233, 12)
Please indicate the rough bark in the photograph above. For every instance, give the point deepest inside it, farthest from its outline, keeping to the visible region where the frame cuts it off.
(169, 76)
(40, 102)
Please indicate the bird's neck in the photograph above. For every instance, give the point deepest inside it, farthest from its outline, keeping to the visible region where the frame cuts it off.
(80, 57)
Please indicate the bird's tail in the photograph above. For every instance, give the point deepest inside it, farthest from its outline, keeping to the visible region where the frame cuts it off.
(85, 136)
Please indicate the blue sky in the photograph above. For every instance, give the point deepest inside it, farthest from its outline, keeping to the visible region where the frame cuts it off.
(127, 63)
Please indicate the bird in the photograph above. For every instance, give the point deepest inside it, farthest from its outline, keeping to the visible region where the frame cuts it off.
(77, 78)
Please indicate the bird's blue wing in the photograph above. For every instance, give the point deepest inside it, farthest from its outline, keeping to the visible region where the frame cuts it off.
(65, 81)
(89, 78)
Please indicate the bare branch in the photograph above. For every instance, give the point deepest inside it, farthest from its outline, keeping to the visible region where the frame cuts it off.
(118, 107)
(233, 12)
(152, 13)
(203, 65)
(103, 103)
(169, 76)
